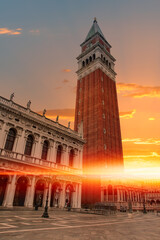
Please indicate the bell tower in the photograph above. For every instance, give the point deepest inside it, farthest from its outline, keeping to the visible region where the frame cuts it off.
(97, 107)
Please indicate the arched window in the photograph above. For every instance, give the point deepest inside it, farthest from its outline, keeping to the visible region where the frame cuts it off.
(83, 64)
(115, 191)
(107, 62)
(86, 61)
(109, 65)
(94, 56)
(45, 150)
(10, 139)
(110, 190)
(90, 59)
(101, 56)
(71, 158)
(59, 154)
(104, 59)
(29, 144)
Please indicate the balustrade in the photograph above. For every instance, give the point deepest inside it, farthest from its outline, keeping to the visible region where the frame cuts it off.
(36, 161)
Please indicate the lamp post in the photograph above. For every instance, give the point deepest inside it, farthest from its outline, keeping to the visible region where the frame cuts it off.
(45, 213)
(130, 206)
(144, 205)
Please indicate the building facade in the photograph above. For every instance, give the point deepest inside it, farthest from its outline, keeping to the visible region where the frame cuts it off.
(130, 194)
(38, 157)
(97, 108)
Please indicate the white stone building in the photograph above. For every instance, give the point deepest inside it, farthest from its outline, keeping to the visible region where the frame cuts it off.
(37, 157)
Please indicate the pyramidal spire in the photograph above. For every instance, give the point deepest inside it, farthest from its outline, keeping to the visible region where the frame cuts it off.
(94, 29)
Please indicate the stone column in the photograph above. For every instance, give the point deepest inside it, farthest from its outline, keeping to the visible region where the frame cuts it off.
(118, 196)
(67, 157)
(37, 147)
(27, 195)
(79, 195)
(102, 195)
(45, 196)
(30, 194)
(3, 134)
(121, 195)
(138, 197)
(74, 197)
(49, 194)
(113, 194)
(62, 196)
(51, 151)
(10, 191)
(20, 142)
(54, 153)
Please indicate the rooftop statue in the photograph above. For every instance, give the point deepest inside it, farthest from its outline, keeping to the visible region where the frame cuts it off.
(44, 112)
(11, 97)
(57, 118)
(29, 104)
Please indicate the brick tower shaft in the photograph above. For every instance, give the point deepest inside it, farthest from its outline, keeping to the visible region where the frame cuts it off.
(97, 107)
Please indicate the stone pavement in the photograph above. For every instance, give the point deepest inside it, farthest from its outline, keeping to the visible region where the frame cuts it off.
(64, 225)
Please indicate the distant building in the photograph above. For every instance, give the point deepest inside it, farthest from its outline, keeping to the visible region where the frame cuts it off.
(37, 157)
(128, 193)
(97, 108)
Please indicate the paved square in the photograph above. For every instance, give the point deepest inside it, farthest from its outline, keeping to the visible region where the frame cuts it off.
(66, 225)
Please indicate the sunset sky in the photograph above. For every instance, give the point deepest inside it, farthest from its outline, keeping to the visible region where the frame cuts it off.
(39, 43)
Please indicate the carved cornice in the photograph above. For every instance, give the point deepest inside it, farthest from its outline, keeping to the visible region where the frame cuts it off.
(29, 119)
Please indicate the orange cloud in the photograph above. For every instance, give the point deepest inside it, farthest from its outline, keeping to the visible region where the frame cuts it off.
(66, 70)
(152, 154)
(138, 91)
(142, 160)
(131, 140)
(127, 115)
(151, 118)
(149, 141)
(64, 114)
(7, 31)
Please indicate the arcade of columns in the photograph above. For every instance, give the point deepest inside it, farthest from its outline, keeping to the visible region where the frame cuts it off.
(58, 192)
(26, 177)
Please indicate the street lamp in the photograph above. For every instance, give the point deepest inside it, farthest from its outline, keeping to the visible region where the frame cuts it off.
(144, 207)
(130, 206)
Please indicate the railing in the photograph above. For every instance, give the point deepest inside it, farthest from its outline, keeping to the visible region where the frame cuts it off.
(37, 162)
